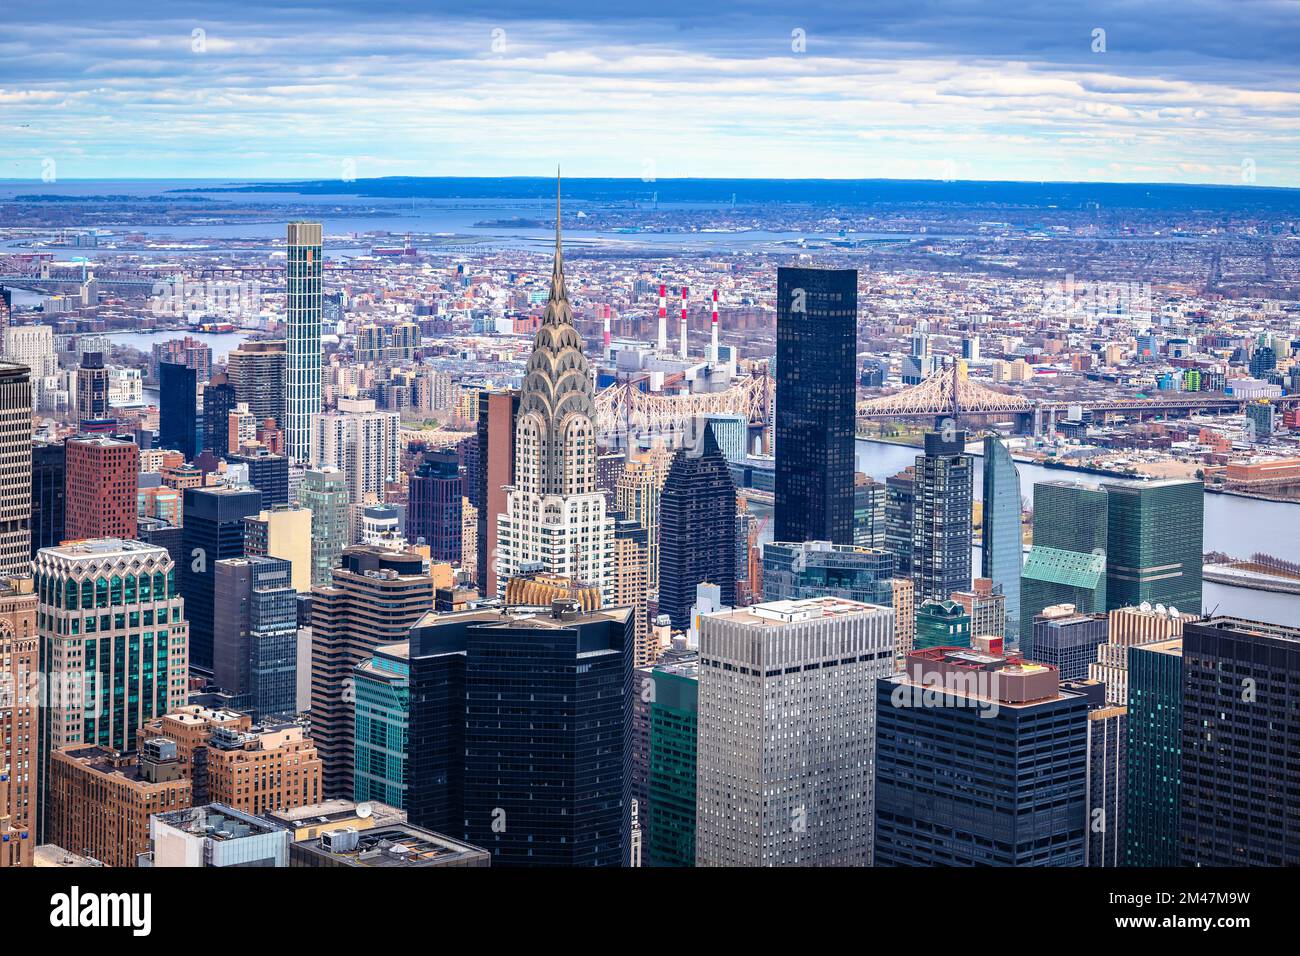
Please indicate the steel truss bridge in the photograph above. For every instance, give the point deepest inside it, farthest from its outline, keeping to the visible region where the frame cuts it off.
(950, 393)
(627, 417)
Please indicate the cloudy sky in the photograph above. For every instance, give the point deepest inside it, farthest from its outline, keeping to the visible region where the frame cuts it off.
(1159, 91)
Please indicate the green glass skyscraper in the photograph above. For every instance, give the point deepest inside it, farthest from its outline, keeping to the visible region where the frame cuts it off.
(1067, 563)
(383, 691)
(1154, 543)
(1002, 553)
(1154, 759)
(674, 723)
(1070, 516)
(325, 492)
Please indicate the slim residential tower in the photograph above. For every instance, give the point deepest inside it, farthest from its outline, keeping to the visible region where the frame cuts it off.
(302, 397)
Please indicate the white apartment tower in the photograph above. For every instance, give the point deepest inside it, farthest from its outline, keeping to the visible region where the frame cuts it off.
(33, 346)
(361, 442)
(15, 469)
(302, 393)
(787, 731)
(555, 516)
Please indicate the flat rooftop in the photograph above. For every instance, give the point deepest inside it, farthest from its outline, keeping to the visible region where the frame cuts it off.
(400, 846)
(778, 613)
(331, 811)
(88, 548)
(216, 822)
(1237, 625)
(1174, 647)
(196, 714)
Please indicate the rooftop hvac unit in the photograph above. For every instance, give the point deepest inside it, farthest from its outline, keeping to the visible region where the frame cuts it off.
(340, 841)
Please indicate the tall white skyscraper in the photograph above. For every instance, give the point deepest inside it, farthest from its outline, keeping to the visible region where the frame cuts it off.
(33, 346)
(15, 469)
(555, 516)
(787, 714)
(303, 315)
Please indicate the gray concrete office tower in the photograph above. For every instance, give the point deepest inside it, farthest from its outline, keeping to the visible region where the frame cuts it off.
(15, 469)
(302, 394)
(786, 741)
(816, 390)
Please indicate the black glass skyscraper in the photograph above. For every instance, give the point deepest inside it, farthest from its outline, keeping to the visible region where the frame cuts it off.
(961, 775)
(436, 729)
(268, 473)
(1241, 721)
(178, 400)
(213, 531)
(218, 403)
(900, 501)
(519, 733)
(816, 359)
(697, 519)
(434, 509)
(48, 491)
(941, 518)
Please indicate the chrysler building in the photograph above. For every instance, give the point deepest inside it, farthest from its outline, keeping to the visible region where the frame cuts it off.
(555, 517)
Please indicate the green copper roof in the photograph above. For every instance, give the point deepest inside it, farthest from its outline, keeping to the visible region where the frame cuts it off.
(1079, 569)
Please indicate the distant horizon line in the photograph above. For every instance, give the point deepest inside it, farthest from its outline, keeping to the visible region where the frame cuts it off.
(650, 183)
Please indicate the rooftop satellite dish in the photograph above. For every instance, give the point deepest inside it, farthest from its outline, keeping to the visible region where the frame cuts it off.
(1144, 606)
(1160, 609)
(1173, 611)
(364, 810)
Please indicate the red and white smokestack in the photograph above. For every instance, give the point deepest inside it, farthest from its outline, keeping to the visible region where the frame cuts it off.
(663, 318)
(713, 331)
(607, 310)
(683, 351)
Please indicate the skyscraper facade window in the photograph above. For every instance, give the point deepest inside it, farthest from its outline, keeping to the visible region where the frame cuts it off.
(1155, 754)
(178, 408)
(302, 398)
(900, 503)
(15, 468)
(433, 510)
(324, 491)
(763, 785)
(808, 569)
(114, 641)
(674, 727)
(696, 527)
(941, 517)
(816, 391)
(960, 774)
(383, 696)
(1241, 719)
(556, 516)
(213, 531)
(1154, 543)
(1003, 549)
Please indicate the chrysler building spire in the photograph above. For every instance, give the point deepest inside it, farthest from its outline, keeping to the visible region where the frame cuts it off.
(555, 513)
(558, 292)
(557, 413)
